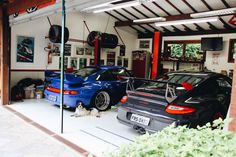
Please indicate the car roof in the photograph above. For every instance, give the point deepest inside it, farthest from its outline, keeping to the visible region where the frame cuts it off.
(195, 73)
(106, 67)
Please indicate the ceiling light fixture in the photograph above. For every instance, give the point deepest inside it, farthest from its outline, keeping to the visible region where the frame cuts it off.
(214, 13)
(100, 5)
(188, 21)
(155, 19)
(125, 5)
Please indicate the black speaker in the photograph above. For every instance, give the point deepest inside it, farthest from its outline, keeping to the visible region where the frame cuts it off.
(55, 34)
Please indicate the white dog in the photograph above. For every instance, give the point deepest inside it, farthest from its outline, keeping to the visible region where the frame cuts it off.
(81, 111)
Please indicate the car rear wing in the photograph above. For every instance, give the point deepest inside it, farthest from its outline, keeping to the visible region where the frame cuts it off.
(170, 91)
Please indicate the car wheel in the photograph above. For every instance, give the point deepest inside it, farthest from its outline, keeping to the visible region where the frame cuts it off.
(102, 101)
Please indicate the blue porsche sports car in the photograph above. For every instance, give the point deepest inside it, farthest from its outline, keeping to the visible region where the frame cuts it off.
(92, 86)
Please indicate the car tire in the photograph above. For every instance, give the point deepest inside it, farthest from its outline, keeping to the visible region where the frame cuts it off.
(102, 101)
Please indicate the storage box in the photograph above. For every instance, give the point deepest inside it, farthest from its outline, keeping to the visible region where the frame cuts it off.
(29, 93)
(39, 94)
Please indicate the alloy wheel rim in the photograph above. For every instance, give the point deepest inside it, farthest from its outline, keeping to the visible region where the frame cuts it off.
(102, 100)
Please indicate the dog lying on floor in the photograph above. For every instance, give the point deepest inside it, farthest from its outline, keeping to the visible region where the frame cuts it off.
(81, 111)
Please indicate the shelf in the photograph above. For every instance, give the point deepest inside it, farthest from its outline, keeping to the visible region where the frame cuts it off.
(181, 61)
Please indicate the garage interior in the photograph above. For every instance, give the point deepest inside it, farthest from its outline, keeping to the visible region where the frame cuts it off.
(147, 28)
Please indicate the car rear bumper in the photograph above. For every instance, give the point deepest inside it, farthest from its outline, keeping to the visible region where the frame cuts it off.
(156, 123)
(69, 100)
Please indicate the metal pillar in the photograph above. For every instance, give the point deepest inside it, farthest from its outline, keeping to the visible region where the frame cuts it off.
(63, 19)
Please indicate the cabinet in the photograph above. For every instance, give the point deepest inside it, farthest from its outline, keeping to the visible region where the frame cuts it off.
(141, 64)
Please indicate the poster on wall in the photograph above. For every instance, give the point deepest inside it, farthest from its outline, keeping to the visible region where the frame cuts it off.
(111, 58)
(65, 62)
(57, 50)
(79, 50)
(126, 62)
(215, 58)
(25, 49)
(82, 63)
(73, 62)
(119, 61)
(88, 51)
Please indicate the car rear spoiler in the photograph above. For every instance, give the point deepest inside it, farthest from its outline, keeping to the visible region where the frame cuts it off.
(170, 92)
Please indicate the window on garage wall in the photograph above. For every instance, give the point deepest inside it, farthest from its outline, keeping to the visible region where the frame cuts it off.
(187, 51)
(232, 50)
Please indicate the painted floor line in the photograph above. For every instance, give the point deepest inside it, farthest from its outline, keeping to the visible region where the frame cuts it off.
(114, 133)
(98, 138)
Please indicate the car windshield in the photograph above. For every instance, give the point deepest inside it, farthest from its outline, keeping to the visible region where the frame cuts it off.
(180, 78)
(85, 72)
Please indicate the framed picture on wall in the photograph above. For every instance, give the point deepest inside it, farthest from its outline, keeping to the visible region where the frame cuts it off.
(102, 62)
(73, 62)
(67, 49)
(57, 49)
(65, 62)
(25, 49)
(144, 44)
(82, 63)
(119, 61)
(126, 62)
(91, 61)
(88, 51)
(79, 50)
(111, 58)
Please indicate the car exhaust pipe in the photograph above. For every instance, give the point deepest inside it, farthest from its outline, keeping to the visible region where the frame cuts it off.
(139, 129)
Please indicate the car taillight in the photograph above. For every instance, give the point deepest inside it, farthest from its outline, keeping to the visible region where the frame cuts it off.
(72, 92)
(124, 99)
(176, 109)
(56, 90)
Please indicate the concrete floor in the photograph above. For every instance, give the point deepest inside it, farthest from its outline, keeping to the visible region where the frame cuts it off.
(85, 135)
(20, 139)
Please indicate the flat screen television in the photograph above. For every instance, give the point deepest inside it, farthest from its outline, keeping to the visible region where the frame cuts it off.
(212, 44)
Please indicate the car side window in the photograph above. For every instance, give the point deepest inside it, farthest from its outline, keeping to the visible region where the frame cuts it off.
(107, 76)
(119, 73)
(222, 83)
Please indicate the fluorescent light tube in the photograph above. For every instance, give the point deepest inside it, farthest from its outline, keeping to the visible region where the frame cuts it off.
(155, 19)
(188, 21)
(100, 5)
(126, 5)
(214, 13)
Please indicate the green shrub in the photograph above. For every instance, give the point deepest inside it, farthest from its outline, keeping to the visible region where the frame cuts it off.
(182, 142)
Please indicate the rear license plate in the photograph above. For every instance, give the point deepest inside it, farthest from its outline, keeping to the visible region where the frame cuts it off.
(52, 98)
(140, 119)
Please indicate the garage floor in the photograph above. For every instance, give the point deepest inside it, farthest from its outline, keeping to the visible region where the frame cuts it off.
(89, 133)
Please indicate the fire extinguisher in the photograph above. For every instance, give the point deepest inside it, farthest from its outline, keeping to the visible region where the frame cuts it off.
(50, 57)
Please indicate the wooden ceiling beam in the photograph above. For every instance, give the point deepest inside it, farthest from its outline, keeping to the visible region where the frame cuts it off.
(167, 13)
(195, 11)
(180, 12)
(225, 24)
(165, 29)
(225, 3)
(168, 18)
(219, 31)
(138, 31)
(19, 5)
(130, 20)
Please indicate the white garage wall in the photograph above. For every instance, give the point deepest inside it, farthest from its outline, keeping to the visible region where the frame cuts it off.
(74, 21)
(223, 55)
